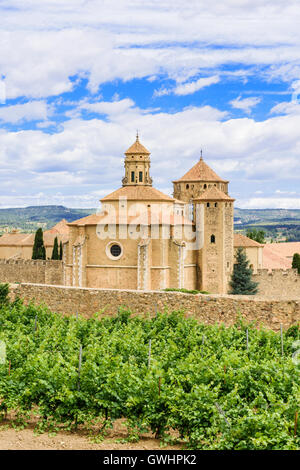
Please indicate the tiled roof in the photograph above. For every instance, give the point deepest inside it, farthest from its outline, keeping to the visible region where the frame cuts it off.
(214, 194)
(242, 240)
(16, 239)
(60, 228)
(201, 172)
(138, 193)
(141, 218)
(137, 147)
(27, 239)
(279, 255)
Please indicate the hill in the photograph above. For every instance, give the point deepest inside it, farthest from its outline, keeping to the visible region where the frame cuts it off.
(28, 219)
(279, 224)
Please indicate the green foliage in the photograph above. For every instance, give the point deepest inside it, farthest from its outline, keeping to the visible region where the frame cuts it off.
(195, 371)
(38, 251)
(60, 251)
(257, 235)
(241, 280)
(4, 293)
(55, 254)
(185, 291)
(296, 262)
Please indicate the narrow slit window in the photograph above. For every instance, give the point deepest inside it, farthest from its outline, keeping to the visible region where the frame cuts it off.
(140, 176)
(132, 176)
(213, 239)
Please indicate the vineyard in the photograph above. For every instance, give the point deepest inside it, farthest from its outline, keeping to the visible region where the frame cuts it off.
(216, 387)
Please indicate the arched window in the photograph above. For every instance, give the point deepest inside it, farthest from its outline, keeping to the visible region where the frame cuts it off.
(132, 176)
(216, 204)
(187, 186)
(205, 186)
(212, 239)
(140, 176)
(208, 204)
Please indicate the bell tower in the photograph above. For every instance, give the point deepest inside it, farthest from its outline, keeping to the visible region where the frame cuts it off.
(137, 165)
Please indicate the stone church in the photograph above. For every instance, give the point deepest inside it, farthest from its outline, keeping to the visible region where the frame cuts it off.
(144, 239)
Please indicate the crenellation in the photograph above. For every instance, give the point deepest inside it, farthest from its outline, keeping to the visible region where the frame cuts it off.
(36, 271)
(278, 283)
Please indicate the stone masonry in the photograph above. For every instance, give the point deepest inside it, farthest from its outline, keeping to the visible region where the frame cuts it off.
(208, 309)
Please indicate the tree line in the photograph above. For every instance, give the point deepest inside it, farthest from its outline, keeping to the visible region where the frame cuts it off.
(39, 250)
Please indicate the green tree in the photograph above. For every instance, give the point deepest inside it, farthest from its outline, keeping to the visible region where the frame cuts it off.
(296, 262)
(241, 280)
(39, 251)
(55, 254)
(60, 250)
(4, 293)
(256, 235)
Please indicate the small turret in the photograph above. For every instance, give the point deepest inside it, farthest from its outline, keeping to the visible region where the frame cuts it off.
(137, 165)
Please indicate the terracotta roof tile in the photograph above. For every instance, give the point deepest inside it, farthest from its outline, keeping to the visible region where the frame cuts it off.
(60, 228)
(272, 260)
(201, 172)
(142, 218)
(138, 193)
(137, 147)
(242, 240)
(214, 194)
(27, 239)
(279, 255)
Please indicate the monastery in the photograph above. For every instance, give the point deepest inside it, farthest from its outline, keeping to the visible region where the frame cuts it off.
(144, 239)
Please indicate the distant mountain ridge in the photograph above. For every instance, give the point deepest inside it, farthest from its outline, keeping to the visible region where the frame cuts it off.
(276, 222)
(264, 215)
(31, 217)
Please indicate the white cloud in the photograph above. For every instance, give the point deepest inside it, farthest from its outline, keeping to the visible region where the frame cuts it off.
(31, 111)
(106, 40)
(286, 107)
(86, 156)
(270, 203)
(190, 87)
(245, 104)
(109, 108)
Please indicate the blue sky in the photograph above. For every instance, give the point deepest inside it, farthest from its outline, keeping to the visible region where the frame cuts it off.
(78, 78)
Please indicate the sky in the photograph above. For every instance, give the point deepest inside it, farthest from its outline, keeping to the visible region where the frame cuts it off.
(79, 78)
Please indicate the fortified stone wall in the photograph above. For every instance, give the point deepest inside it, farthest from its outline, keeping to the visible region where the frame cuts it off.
(278, 283)
(36, 271)
(206, 308)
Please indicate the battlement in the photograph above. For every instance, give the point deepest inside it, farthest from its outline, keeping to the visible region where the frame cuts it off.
(264, 273)
(278, 282)
(28, 270)
(30, 262)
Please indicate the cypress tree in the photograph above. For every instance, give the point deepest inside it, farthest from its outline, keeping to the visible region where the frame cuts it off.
(38, 251)
(296, 262)
(60, 250)
(241, 279)
(55, 254)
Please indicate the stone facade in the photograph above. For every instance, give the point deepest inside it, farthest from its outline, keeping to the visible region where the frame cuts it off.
(278, 283)
(208, 309)
(144, 239)
(36, 271)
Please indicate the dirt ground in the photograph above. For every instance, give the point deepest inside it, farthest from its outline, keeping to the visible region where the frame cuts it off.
(27, 439)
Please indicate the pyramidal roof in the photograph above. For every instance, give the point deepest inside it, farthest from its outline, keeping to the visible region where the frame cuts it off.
(201, 172)
(142, 193)
(137, 147)
(214, 194)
